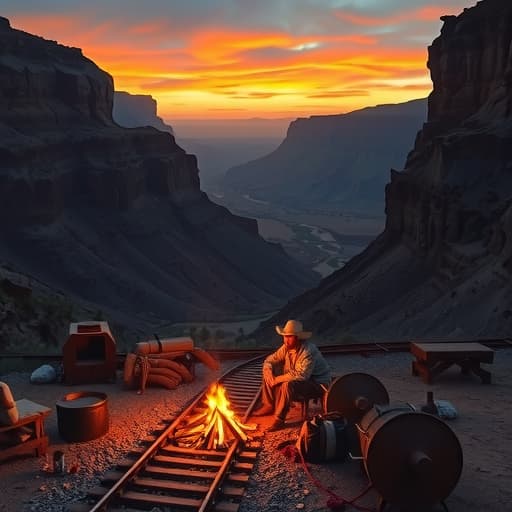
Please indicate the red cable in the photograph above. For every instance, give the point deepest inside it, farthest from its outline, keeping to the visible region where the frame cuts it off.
(334, 502)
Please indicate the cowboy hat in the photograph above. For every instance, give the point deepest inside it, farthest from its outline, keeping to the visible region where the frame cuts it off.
(293, 328)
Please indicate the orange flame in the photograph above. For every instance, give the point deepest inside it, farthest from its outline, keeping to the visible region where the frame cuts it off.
(215, 426)
(216, 400)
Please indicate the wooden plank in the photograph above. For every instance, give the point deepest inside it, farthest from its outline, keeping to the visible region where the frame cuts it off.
(34, 447)
(433, 359)
(154, 499)
(27, 434)
(29, 412)
(243, 466)
(180, 472)
(227, 506)
(434, 351)
(183, 461)
(247, 455)
(170, 448)
(149, 499)
(239, 478)
(28, 408)
(169, 485)
(231, 491)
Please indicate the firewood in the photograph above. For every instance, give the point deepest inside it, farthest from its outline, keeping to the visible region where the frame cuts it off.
(201, 416)
(189, 431)
(214, 427)
(234, 427)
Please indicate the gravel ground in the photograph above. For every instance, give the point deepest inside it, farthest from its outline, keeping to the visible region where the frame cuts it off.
(278, 482)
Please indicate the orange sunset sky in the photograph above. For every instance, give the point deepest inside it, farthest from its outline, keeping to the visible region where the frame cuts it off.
(232, 59)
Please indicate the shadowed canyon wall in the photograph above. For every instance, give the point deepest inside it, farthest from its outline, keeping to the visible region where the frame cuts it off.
(333, 162)
(115, 217)
(442, 266)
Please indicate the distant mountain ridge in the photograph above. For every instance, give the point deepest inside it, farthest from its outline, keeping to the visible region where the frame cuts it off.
(334, 162)
(214, 154)
(443, 265)
(113, 216)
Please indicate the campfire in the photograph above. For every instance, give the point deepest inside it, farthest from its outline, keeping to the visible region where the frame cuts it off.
(214, 427)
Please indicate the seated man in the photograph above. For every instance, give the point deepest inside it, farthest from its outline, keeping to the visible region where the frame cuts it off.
(295, 369)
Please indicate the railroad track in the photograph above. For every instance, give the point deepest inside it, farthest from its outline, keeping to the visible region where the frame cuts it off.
(348, 348)
(175, 478)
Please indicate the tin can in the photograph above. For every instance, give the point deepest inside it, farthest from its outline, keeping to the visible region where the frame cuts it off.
(59, 464)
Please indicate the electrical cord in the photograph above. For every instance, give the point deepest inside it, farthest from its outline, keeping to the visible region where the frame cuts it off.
(334, 502)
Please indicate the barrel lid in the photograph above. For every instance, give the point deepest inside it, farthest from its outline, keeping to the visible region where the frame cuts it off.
(82, 399)
(426, 454)
(353, 394)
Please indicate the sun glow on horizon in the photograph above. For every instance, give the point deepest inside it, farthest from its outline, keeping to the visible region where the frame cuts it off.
(343, 59)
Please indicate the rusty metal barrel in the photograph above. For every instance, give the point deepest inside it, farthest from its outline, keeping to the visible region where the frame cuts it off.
(353, 394)
(412, 458)
(82, 416)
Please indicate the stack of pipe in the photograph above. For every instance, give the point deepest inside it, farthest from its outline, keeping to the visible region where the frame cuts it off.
(159, 362)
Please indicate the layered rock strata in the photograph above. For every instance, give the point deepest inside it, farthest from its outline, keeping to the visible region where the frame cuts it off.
(116, 216)
(134, 110)
(442, 267)
(333, 162)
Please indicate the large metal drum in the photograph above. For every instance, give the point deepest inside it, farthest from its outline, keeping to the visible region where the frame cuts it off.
(82, 416)
(412, 458)
(354, 394)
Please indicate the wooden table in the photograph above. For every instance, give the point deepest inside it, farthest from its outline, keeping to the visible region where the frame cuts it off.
(434, 358)
(28, 433)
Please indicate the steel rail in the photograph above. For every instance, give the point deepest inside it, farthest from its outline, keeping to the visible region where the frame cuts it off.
(350, 348)
(116, 491)
(243, 391)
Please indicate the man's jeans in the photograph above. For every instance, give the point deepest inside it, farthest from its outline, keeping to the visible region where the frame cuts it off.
(281, 395)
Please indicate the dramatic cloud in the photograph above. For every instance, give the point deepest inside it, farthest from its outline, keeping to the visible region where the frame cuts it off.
(239, 57)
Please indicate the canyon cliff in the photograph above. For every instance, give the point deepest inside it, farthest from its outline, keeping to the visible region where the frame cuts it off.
(115, 217)
(333, 162)
(442, 266)
(134, 110)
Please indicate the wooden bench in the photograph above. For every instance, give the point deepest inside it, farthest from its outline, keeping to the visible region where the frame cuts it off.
(434, 358)
(27, 434)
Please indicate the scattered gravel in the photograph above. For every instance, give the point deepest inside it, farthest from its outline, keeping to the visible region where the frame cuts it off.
(482, 427)
(26, 483)
(277, 483)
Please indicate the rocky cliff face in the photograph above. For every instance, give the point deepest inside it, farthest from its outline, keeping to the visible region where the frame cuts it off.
(335, 162)
(134, 110)
(115, 217)
(442, 266)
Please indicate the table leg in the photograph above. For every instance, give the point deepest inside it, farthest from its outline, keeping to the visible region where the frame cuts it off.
(428, 371)
(484, 375)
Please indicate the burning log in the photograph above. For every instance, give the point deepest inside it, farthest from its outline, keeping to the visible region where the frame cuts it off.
(214, 427)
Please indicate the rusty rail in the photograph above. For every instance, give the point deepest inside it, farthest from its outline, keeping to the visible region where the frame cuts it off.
(226, 488)
(167, 478)
(349, 348)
